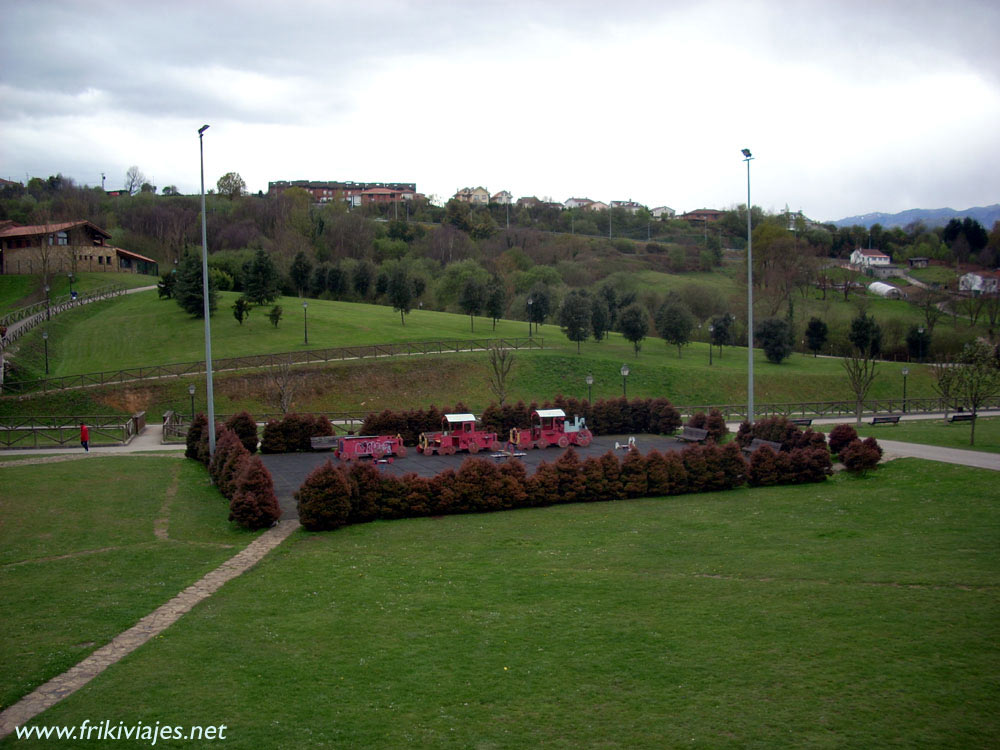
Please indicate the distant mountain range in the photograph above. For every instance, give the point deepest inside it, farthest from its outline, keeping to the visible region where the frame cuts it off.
(932, 217)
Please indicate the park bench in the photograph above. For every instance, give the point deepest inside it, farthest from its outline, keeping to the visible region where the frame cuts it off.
(960, 418)
(693, 435)
(894, 419)
(759, 443)
(323, 442)
(802, 421)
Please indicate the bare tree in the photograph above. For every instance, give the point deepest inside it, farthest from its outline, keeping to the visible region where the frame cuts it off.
(977, 379)
(861, 368)
(134, 180)
(930, 302)
(945, 382)
(285, 385)
(501, 362)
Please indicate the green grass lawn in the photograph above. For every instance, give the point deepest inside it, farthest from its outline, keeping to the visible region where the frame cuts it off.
(79, 560)
(934, 275)
(18, 290)
(859, 613)
(939, 432)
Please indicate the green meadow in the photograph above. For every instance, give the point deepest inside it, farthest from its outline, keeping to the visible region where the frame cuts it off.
(858, 613)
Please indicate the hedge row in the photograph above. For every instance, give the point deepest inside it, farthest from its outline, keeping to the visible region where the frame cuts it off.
(606, 417)
(780, 430)
(334, 495)
(292, 432)
(240, 476)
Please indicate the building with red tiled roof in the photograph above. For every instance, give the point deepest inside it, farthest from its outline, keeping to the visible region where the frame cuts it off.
(65, 246)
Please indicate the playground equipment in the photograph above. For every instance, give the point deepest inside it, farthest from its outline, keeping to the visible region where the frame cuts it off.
(549, 427)
(459, 433)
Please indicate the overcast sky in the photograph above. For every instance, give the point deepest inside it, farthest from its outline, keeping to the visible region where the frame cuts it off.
(849, 107)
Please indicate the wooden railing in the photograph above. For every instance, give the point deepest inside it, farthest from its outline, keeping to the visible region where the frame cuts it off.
(35, 431)
(24, 319)
(313, 356)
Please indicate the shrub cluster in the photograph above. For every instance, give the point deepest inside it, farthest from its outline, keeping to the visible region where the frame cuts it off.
(334, 495)
(292, 433)
(780, 430)
(245, 427)
(714, 422)
(859, 456)
(841, 436)
(241, 477)
(797, 466)
(606, 417)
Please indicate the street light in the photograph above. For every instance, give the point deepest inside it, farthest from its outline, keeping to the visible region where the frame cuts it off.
(529, 316)
(906, 371)
(590, 386)
(625, 372)
(191, 394)
(305, 321)
(748, 157)
(45, 338)
(711, 329)
(48, 308)
(920, 344)
(209, 395)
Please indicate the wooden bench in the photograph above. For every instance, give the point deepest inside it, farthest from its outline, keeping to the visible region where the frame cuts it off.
(894, 419)
(960, 418)
(759, 443)
(693, 435)
(323, 442)
(802, 421)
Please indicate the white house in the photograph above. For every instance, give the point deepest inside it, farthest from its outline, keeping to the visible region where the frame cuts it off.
(663, 212)
(598, 206)
(868, 258)
(983, 282)
(503, 198)
(578, 202)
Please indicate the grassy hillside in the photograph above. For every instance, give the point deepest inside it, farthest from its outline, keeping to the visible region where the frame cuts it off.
(19, 290)
(856, 614)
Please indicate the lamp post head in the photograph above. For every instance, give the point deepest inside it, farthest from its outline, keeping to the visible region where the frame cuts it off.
(305, 305)
(905, 371)
(711, 328)
(45, 335)
(589, 379)
(46, 288)
(920, 330)
(625, 371)
(191, 389)
(746, 153)
(202, 129)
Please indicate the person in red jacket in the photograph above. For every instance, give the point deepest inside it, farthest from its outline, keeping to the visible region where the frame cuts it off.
(85, 437)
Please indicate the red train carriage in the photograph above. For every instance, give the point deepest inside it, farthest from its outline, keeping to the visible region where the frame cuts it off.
(549, 427)
(459, 433)
(353, 447)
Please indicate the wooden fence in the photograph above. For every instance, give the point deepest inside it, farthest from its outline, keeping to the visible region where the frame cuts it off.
(24, 319)
(313, 356)
(59, 431)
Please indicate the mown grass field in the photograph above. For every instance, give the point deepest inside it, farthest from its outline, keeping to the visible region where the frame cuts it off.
(142, 330)
(856, 614)
(939, 432)
(79, 559)
(18, 290)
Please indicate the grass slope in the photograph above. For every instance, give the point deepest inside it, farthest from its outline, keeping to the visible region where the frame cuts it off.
(18, 290)
(79, 561)
(859, 613)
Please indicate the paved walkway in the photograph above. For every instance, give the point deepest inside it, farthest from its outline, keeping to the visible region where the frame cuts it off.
(148, 627)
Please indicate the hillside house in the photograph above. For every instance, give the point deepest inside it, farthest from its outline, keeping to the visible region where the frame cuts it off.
(631, 206)
(863, 259)
(478, 196)
(65, 246)
(663, 212)
(979, 282)
(918, 262)
(703, 214)
(352, 193)
(578, 203)
(503, 198)
(598, 206)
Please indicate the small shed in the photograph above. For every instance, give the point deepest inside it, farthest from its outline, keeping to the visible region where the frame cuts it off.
(885, 290)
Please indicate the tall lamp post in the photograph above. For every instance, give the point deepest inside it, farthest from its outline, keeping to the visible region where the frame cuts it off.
(45, 338)
(920, 344)
(624, 372)
(529, 316)
(48, 304)
(711, 330)
(305, 322)
(590, 386)
(906, 371)
(209, 395)
(191, 394)
(748, 157)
